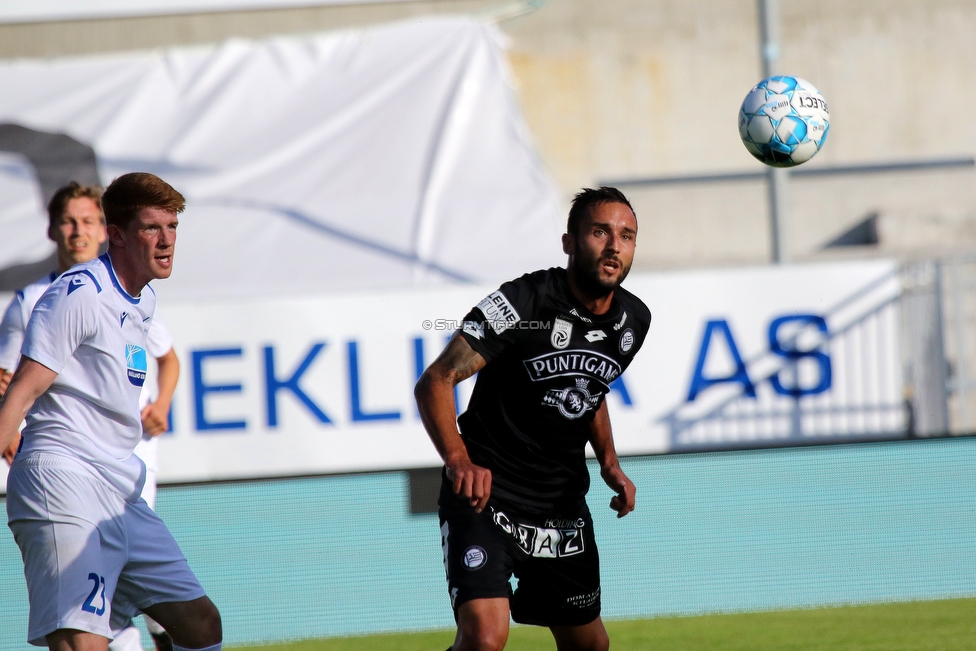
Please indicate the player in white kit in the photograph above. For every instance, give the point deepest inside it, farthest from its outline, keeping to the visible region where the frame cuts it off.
(77, 227)
(95, 554)
(154, 402)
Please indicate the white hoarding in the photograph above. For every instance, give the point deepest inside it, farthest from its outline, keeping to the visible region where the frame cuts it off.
(30, 11)
(325, 385)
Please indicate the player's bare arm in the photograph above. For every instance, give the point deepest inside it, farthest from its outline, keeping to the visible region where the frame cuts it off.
(11, 450)
(29, 381)
(438, 411)
(155, 415)
(601, 439)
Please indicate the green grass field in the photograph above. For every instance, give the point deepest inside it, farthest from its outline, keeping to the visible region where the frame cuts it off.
(947, 625)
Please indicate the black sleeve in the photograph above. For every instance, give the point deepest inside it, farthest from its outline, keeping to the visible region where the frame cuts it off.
(644, 319)
(642, 325)
(492, 325)
(638, 326)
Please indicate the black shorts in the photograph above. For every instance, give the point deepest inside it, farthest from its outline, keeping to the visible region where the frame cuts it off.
(555, 561)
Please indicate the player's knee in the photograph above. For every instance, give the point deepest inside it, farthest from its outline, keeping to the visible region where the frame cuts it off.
(598, 641)
(483, 640)
(211, 626)
(201, 626)
(588, 638)
(593, 644)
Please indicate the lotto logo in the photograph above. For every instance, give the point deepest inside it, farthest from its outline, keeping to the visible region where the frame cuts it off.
(595, 335)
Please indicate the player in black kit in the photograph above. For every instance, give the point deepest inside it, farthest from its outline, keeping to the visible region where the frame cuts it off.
(546, 347)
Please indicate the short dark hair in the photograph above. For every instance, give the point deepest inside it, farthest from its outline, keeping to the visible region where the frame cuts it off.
(586, 199)
(132, 192)
(59, 202)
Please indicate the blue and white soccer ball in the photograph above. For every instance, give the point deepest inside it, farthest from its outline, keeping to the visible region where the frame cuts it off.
(784, 121)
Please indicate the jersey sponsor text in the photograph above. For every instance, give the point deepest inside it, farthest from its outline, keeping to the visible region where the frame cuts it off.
(573, 362)
(541, 542)
(498, 312)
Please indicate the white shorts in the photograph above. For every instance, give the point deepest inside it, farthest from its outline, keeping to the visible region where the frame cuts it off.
(92, 560)
(148, 451)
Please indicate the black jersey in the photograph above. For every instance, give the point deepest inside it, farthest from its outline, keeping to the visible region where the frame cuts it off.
(550, 364)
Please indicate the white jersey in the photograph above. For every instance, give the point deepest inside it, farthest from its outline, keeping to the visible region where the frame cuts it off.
(17, 314)
(89, 331)
(15, 320)
(158, 342)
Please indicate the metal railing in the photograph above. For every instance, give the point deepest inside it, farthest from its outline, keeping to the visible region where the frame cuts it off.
(957, 280)
(899, 356)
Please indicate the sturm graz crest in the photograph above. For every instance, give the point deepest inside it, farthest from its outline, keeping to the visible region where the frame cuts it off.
(572, 402)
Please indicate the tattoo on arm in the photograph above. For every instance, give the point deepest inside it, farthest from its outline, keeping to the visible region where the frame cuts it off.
(459, 360)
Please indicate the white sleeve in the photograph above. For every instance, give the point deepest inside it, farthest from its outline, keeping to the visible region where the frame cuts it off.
(59, 324)
(12, 332)
(158, 341)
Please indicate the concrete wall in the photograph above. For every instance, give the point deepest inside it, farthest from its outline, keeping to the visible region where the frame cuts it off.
(638, 88)
(644, 88)
(103, 35)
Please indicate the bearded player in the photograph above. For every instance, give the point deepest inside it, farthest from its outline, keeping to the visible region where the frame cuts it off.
(546, 347)
(95, 554)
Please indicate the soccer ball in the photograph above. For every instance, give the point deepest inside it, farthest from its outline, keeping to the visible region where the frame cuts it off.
(784, 121)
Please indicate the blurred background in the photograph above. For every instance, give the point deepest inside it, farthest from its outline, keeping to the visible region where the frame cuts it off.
(645, 90)
(355, 169)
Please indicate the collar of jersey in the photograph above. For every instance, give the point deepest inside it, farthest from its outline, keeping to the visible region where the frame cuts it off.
(107, 261)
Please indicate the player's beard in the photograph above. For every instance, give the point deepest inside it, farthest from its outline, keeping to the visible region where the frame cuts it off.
(586, 271)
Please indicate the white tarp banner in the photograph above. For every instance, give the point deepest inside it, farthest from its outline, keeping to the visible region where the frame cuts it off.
(28, 11)
(388, 157)
(279, 387)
